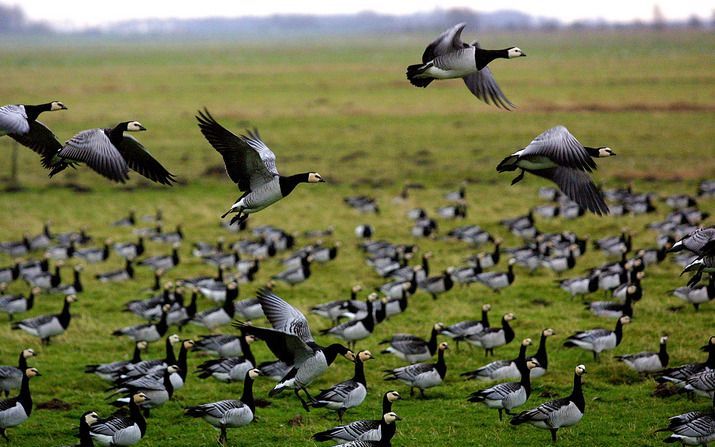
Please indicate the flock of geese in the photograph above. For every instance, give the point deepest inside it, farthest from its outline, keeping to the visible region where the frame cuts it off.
(139, 385)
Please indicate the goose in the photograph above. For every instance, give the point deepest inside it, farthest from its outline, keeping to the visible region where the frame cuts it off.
(11, 377)
(598, 340)
(124, 274)
(394, 289)
(364, 231)
(487, 260)
(151, 308)
(87, 419)
(146, 367)
(679, 374)
(613, 309)
(447, 57)
(227, 414)
(252, 166)
(110, 371)
(275, 369)
(296, 275)
(93, 255)
(541, 356)
(436, 285)
(387, 432)
(411, 348)
(701, 242)
(491, 338)
(230, 369)
(347, 394)
(291, 341)
(394, 305)
(45, 280)
(557, 413)
(560, 264)
(179, 314)
(407, 271)
(42, 240)
(364, 204)
(48, 326)
(17, 410)
(218, 316)
(421, 375)
(170, 237)
(155, 372)
(19, 122)
(471, 234)
(556, 155)
(453, 211)
(224, 345)
(702, 383)
(614, 245)
(130, 250)
(15, 304)
(74, 288)
(120, 429)
(78, 237)
(362, 430)
(110, 154)
(501, 369)
(354, 330)
(462, 329)
(693, 428)
(700, 265)
(332, 310)
(498, 280)
(582, 285)
(219, 292)
(647, 362)
(149, 332)
(16, 248)
(9, 274)
(693, 295)
(249, 309)
(164, 262)
(128, 221)
(158, 388)
(206, 249)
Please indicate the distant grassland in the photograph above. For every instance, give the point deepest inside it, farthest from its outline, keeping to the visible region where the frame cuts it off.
(343, 108)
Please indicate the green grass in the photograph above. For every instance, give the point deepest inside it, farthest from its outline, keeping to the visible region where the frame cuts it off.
(345, 110)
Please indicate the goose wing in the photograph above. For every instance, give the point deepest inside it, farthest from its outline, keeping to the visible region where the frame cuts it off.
(40, 139)
(501, 391)
(339, 392)
(111, 425)
(93, 148)
(448, 41)
(13, 120)
(289, 348)
(139, 159)
(578, 186)
(249, 162)
(590, 336)
(284, 317)
(220, 408)
(8, 403)
(36, 322)
(701, 241)
(559, 145)
(697, 428)
(7, 372)
(408, 344)
(544, 411)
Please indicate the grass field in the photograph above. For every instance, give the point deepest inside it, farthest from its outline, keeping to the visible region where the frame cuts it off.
(345, 110)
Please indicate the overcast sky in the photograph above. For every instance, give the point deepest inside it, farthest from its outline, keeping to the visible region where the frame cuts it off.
(77, 13)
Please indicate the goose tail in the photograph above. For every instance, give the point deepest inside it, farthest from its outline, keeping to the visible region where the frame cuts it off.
(415, 70)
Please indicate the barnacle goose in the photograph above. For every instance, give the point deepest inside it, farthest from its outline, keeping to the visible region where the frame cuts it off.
(9, 274)
(128, 221)
(598, 340)
(231, 413)
(87, 419)
(500, 369)
(11, 377)
(491, 338)
(700, 265)
(582, 285)
(296, 275)
(110, 371)
(224, 345)
(693, 295)
(149, 332)
(158, 388)
(17, 410)
(274, 369)
(447, 57)
(93, 255)
(48, 326)
(15, 304)
(613, 309)
(347, 394)
(692, 428)
(362, 430)
(387, 431)
(679, 374)
(164, 262)
(120, 429)
(145, 367)
(436, 285)
(44, 279)
(252, 166)
(19, 122)
(218, 316)
(421, 375)
(130, 250)
(332, 310)
(354, 330)
(230, 369)
(460, 330)
(498, 280)
(557, 156)
(648, 361)
(124, 274)
(74, 288)
(702, 383)
(557, 413)
(411, 348)
(701, 242)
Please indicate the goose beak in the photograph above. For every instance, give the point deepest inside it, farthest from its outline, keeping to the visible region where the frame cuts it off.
(523, 54)
(141, 128)
(398, 417)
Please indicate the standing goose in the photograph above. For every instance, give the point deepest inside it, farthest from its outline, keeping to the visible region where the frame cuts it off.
(252, 166)
(580, 286)
(224, 345)
(613, 309)
(74, 288)
(387, 430)
(296, 275)
(447, 57)
(158, 388)
(146, 367)
(458, 331)
(498, 280)
(19, 122)
(435, 285)
(218, 316)
(648, 362)
(411, 348)
(130, 250)
(17, 410)
(334, 309)
(230, 369)
(500, 369)
(227, 414)
(149, 332)
(679, 374)
(693, 295)
(11, 377)
(163, 262)
(119, 429)
(124, 274)
(48, 326)
(556, 155)
(9, 274)
(93, 255)
(421, 375)
(110, 153)
(110, 371)
(44, 279)
(354, 330)
(597, 340)
(363, 430)
(491, 338)
(557, 413)
(15, 304)
(347, 394)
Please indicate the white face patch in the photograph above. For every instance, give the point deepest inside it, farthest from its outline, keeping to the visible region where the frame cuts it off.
(515, 52)
(56, 105)
(135, 126)
(314, 177)
(605, 152)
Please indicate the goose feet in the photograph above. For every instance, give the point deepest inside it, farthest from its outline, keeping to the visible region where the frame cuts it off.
(553, 434)
(518, 178)
(223, 438)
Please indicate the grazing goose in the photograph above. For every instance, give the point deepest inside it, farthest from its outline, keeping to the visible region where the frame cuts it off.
(17, 410)
(421, 375)
(363, 430)
(679, 374)
(491, 338)
(648, 362)
(387, 431)
(693, 428)
(48, 326)
(556, 155)
(130, 250)
(9, 274)
(128, 221)
(218, 316)
(411, 348)
(11, 377)
(557, 413)
(124, 274)
(120, 429)
(354, 330)
(693, 295)
(93, 255)
(447, 57)
(252, 166)
(149, 332)
(227, 414)
(598, 340)
(292, 342)
(15, 304)
(500, 369)
(110, 153)
(163, 262)
(580, 286)
(158, 388)
(74, 288)
(498, 280)
(19, 122)
(347, 394)
(110, 371)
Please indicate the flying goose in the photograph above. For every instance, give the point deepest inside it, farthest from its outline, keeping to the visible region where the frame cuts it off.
(557, 413)
(447, 57)
(693, 295)
(11, 377)
(411, 348)
(231, 413)
(700, 265)
(17, 410)
(598, 340)
(501, 369)
(701, 242)
(362, 430)
(491, 338)
(15, 304)
(120, 429)
(648, 362)
(347, 394)
(110, 153)
(679, 374)
(556, 155)
(19, 122)
(252, 166)
(48, 326)
(110, 371)
(421, 375)
(692, 428)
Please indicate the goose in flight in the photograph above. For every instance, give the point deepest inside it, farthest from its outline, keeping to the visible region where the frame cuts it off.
(252, 166)
(19, 122)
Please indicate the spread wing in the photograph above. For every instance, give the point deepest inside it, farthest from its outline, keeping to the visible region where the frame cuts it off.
(249, 162)
(483, 85)
(288, 348)
(39, 138)
(93, 148)
(284, 317)
(448, 41)
(578, 186)
(139, 159)
(13, 120)
(563, 148)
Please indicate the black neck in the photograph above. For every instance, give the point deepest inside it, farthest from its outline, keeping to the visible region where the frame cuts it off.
(129, 268)
(116, 134)
(175, 256)
(219, 274)
(369, 320)
(191, 308)
(22, 362)
(228, 305)
(289, 183)
(524, 370)
(619, 332)
(359, 375)
(247, 396)
(170, 358)
(64, 316)
(77, 283)
(246, 349)
(711, 286)
(710, 362)
(136, 415)
(508, 331)
(663, 354)
(33, 112)
(161, 326)
(182, 361)
(485, 318)
(431, 344)
(386, 404)
(483, 57)
(85, 439)
(441, 366)
(510, 273)
(592, 151)
(30, 300)
(425, 264)
(387, 432)
(577, 394)
(381, 313)
(167, 383)
(25, 398)
(137, 357)
(541, 356)
(331, 352)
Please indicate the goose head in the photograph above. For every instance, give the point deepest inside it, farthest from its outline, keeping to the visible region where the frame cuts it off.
(605, 152)
(250, 339)
(314, 177)
(486, 307)
(439, 327)
(134, 126)
(663, 339)
(580, 370)
(173, 369)
(27, 353)
(142, 345)
(36, 290)
(253, 373)
(174, 339)
(532, 363)
(514, 52)
(348, 354)
(372, 297)
(139, 398)
(188, 344)
(548, 332)
(165, 308)
(393, 396)
(526, 342)
(443, 346)
(625, 319)
(631, 289)
(509, 316)
(90, 417)
(365, 356)
(57, 105)
(391, 417)
(356, 288)
(32, 372)
(71, 299)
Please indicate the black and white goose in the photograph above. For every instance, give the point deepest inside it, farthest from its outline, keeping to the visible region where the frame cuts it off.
(169, 237)
(333, 310)
(693, 295)
(679, 374)
(10, 376)
(387, 432)
(437, 285)
(17, 410)
(557, 413)
(358, 329)
(149, 332)
(230, 369)
(296, 275)
(110, 371)
(224, 345)
(701, 242)
(598, 340)
(362, 430)
(9, 274)
(447, 57)
(130, 250)
(75, 287)
(48, 326)
(19, 122)
(458, 331)
(702, 384)
(421, 375)
(128, 221)
(164, 262)
(87, 419)
(44, 279)
(580, 286)
(147, 367)
(16, 304)
(556, 155)
(120, 429)
(231, 413)
(411, 348)
(347, 394)
(158, 388)
(705, 264)
(613, 309)
(93, 255)
(491, 337)
(218, 316)
(692, 428)
(498, 280)
(111, 154)
(500, 369)
(648, 362)
(252, 166)
(125, 274)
